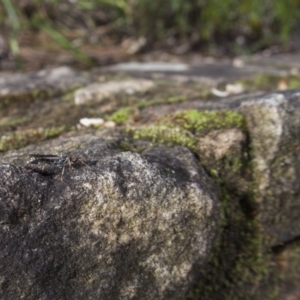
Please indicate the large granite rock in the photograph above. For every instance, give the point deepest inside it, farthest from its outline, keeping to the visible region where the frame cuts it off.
(105, 224)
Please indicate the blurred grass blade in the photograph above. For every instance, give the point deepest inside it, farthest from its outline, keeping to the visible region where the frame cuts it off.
(15, 23)
(64, 42)
(12, 14)
(14, 45)
(122, 5)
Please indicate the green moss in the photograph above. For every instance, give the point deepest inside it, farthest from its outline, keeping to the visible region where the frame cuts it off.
(167, 134)
(121, 115)
(21, 139)
(183, 127)
(239, 267)
(197, 121)
(11, 123)
(236, 262)
(39, 94)
(294, 82)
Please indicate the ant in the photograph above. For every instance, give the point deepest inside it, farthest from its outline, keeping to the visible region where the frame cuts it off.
(50, 164)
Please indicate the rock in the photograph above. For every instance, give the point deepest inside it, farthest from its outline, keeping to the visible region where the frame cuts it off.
(258, 173)
(216, 144)
(257, 168)
(97, 92)
(119, 225)
(43, 84)
(209, 72)
(272, 134)
(273, 123)
(154, 66)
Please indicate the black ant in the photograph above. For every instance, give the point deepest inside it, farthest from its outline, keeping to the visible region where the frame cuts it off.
(49, 164)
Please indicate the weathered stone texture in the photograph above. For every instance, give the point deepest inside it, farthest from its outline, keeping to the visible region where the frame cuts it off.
(131, 226)
(97, 92)
(132, 219)
(42, 84)
(274, 126)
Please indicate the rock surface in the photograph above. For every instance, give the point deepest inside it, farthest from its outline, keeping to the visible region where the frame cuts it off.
(99, 91)
(185, 195)
(274, 126)
(121, 225)
(43, 84)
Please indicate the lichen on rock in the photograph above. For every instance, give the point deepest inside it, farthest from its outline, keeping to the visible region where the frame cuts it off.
(130, 226)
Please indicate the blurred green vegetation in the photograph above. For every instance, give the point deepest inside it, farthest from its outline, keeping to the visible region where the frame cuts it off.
(232, 26)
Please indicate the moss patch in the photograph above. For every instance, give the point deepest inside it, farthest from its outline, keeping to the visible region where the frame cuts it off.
(203, 121)
(182, 128)
(236, 262)
(12, 123)
(237, 266)
(21, 139)
(121, 115)
(165, 134)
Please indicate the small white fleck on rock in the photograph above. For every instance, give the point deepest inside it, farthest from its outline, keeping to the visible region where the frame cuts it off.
(88, 122)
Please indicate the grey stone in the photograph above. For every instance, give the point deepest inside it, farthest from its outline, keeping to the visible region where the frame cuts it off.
(218, 143)
(119, 225)
(45, 83)
(209, 72)
(274, 122)
(154, 66)
(273, 126)
(97, 92)
(288, 62)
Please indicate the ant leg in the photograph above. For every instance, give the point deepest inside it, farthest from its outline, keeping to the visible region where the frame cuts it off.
(69, 163)
(62, 173)
(43, 168)
(80, 160)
